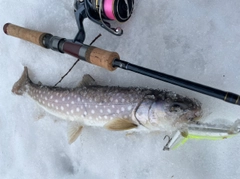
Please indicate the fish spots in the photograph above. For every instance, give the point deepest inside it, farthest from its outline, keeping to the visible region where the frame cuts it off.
(93, 104)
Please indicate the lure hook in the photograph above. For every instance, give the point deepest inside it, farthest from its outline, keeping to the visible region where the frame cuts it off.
(169, 140)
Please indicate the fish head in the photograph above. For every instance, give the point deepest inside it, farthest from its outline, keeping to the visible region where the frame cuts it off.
(178, 108)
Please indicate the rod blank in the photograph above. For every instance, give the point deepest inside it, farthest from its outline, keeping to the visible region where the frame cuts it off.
(223, 95)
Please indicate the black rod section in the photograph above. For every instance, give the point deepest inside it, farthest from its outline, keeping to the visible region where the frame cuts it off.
(226, 96)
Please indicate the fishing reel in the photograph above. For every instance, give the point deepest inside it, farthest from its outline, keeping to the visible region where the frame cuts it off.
(100, 12)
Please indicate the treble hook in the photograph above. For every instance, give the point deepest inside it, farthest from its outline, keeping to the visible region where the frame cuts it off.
(169, 140)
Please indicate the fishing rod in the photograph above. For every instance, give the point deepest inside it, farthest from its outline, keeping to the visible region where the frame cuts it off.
(110, 60)
(101, 12)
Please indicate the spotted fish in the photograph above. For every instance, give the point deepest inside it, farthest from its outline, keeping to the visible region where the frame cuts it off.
(115, 108)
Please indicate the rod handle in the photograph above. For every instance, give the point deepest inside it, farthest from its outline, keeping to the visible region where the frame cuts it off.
(100, 57)
(33, 36)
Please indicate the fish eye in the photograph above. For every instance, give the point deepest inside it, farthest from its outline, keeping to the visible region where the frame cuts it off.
(176, 106)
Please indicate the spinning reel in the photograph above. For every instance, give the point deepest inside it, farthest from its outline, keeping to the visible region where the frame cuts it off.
(101, 11)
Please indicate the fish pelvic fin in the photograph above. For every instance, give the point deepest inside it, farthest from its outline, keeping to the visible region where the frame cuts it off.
(20, 86)
(120, 124)
(74, 130)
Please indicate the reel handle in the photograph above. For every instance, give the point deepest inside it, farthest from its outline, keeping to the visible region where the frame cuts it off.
(33, 36)
(90, 54)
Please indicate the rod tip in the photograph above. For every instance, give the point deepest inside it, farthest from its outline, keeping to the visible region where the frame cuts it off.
(5, 28)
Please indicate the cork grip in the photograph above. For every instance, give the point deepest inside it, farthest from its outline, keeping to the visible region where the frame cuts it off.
(100, 57)
(25, 34)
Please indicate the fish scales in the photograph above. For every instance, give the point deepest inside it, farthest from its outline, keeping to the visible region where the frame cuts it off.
(90, 103)
(115, 108)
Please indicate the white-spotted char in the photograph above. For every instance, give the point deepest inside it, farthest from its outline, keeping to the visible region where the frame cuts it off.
(115, 108)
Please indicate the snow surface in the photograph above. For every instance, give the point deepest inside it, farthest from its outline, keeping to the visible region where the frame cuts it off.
(196, 40)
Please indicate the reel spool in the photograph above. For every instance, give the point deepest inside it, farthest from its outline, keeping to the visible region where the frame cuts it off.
(119, 10)
(101, 11)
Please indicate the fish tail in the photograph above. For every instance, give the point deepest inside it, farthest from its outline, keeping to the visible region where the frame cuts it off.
(20, 86)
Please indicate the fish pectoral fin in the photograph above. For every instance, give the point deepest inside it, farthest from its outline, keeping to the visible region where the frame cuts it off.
(87, 80)
(74, 130)
(120, 124)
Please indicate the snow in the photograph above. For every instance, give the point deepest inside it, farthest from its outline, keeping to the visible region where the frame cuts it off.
(194, 40)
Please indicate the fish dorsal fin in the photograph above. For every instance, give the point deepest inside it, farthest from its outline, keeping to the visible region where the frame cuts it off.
(87, 80)
(120, 124)
(74, 130)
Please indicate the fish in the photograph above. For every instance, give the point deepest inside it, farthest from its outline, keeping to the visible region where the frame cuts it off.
(111, 107)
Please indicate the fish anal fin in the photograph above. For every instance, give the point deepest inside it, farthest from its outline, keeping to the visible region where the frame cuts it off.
(120, 124)
(74, 130)
(87, 80)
